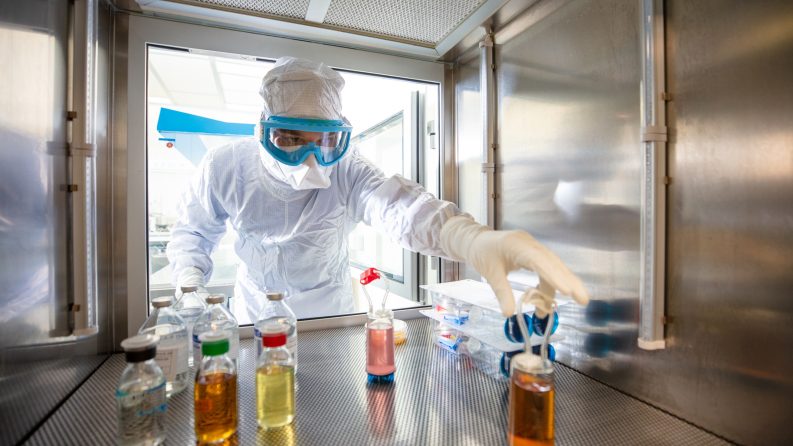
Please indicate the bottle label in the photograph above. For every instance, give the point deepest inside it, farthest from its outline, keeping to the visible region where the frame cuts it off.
(257, 336)
(196, 350)
(234, 347)
(172, 359)
(291, 345)
(143, 404)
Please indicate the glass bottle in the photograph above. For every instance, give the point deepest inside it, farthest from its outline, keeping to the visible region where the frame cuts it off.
(216, 317)
(173, 349)
(380, 365)
(140, 396)
(275, 379)
(531, 402)
(190, 306)
(276, 311)
(215, 390)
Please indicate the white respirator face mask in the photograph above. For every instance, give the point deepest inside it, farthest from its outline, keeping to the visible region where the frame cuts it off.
(308, 175)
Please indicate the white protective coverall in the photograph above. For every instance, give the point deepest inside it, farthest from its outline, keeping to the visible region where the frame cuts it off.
(296, 240)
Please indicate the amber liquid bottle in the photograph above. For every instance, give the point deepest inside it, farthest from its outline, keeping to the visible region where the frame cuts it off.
(531, 402)
(215, 391)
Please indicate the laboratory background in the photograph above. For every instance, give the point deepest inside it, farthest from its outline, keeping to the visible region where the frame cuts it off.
(647, 143)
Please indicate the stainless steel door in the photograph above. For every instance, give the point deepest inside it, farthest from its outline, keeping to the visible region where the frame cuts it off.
(34, 216)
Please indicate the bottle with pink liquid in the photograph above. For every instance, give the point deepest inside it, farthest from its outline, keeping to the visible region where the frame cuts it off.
(380, 365)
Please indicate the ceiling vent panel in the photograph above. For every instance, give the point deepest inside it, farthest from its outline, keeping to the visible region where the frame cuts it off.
(425, 21)
(295, 9)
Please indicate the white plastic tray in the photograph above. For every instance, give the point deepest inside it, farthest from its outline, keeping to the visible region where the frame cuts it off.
(490, 335)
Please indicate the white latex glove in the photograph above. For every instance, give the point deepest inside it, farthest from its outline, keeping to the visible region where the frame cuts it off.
(191, 277)
(495, 253)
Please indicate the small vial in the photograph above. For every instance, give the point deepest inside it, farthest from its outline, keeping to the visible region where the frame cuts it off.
(215, 391)
(275, 379)
(380, 365)
(531, 402)
(173, 348)
(190, 306)
(140, 396)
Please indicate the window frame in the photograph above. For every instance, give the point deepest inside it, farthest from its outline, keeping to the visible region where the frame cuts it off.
(144, 31)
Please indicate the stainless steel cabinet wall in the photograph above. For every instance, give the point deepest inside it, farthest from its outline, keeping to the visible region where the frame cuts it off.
(35, 375)
(569, 159)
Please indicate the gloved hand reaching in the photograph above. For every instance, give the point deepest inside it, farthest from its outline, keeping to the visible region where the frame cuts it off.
(495, 253)
(190, 278)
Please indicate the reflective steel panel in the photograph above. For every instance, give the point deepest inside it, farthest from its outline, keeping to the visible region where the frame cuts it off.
(569, 148)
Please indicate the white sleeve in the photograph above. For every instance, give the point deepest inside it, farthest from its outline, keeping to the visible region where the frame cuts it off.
(398, 207)
(201, 221)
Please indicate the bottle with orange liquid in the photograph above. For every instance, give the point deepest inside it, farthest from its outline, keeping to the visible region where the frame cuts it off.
(531, 401)
(531, 391)
(215, 391)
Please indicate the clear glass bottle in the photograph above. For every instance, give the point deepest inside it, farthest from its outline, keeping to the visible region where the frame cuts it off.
(140, 396)
(190, 306)
(174, 346)
(215, 390)
(531, 402)
(275, 310)
(275, 379)
(216, 317)
(380, 366)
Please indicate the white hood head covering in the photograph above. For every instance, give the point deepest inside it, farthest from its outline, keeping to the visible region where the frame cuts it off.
(300, 88)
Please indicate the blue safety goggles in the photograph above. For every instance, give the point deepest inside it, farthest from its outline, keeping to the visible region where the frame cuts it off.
(292, 140)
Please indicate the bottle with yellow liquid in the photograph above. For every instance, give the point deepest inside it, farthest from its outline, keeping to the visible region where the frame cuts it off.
(215, 391)
(275, 379)
(531, 401)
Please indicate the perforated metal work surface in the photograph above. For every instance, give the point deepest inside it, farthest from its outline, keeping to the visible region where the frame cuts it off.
(437, 398)
(29, 390)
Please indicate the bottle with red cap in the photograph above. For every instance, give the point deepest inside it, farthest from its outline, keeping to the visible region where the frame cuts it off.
(275, 378)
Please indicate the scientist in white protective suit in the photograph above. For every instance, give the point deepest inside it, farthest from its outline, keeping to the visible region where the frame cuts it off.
(295, 191)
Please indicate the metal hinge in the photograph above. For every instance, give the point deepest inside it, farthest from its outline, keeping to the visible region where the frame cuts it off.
(666, 96)
(654, 133)
(71, 115)
(69, 187)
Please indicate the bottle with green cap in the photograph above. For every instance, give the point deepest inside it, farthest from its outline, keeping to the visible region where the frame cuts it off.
(215, 390)
(140, 396)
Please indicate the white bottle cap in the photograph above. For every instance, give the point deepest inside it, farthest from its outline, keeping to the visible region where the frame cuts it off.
(140, 342)
(162, 301)
(216, 299)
